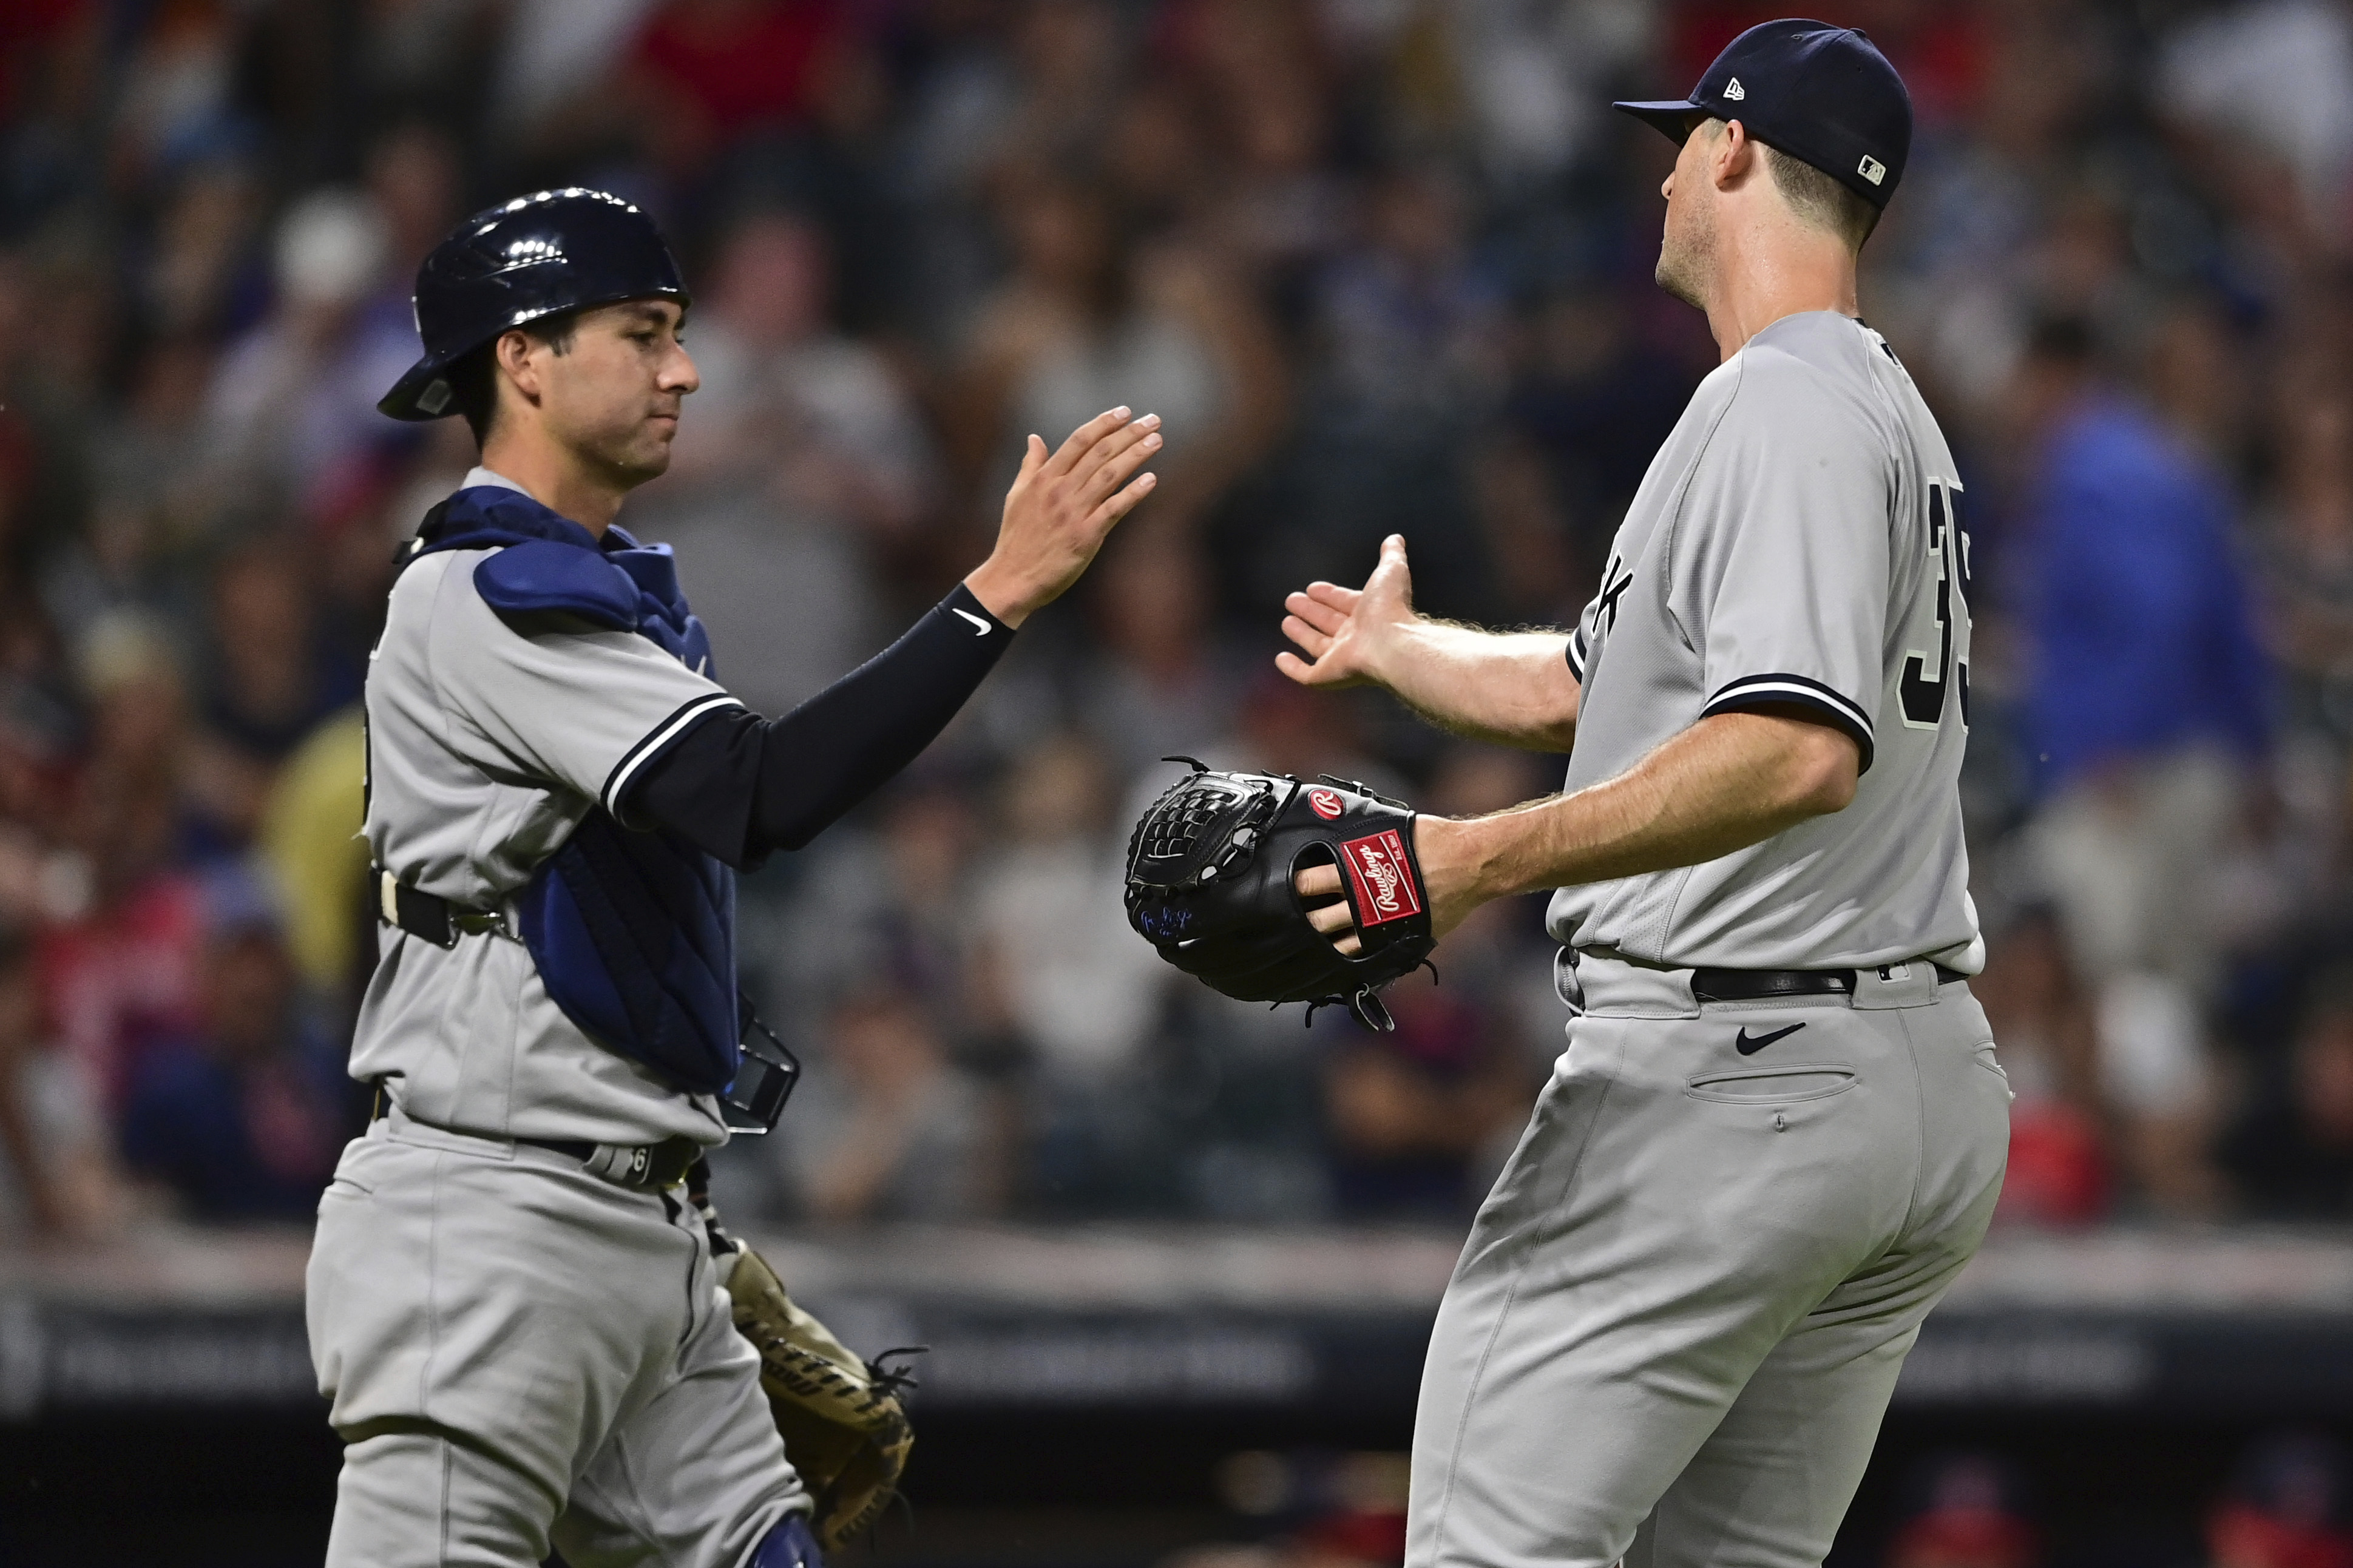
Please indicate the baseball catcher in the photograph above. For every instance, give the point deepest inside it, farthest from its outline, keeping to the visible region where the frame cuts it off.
(1211, 873)
(531, 1344)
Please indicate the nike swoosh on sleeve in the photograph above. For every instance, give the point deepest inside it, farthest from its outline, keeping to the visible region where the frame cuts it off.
(979, 626)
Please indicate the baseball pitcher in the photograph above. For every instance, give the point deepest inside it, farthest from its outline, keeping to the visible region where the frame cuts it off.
(1778, 1130)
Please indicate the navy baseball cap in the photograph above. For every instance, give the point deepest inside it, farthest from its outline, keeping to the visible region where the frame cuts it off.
(1824, 95)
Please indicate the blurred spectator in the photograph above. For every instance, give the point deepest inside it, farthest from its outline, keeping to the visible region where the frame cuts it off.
(704, 72)
(1410, 1111)
(150, 510)
(201, 275)
(1282, 727)
(243, 1116)
(1593, 402)
(1094, 318)
(120, 958)
(266, 688)
(801, 466)
(31, 1166)
(413, 175)
(1964, 1511)
(2291, 1151)
(1420, 1120)
(1329, 1511)
(1053, 954)
(554, 53)
(2158, 1082)
(2048, 1045)
(2305, 550)
(2150, 697)
(58, 1137)
(1166, 681)
(2287, 1507)
(892, 905)
(2279, 74)
(783, 389)
(295, 400)
(308, 838)
(890, 1128)
(1412, 329)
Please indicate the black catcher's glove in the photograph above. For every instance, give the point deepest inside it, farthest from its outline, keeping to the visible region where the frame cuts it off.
(1210, 883)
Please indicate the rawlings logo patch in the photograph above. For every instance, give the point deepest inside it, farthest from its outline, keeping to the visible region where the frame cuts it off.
(1326, 804)
(1383, 877)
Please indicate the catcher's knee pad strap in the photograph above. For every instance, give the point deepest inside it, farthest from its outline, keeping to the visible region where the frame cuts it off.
(788, 1544)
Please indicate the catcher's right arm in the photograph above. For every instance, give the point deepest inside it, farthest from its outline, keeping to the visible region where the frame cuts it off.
(1211, 873)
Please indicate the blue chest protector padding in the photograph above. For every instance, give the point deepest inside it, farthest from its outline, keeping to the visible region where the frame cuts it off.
(633, 934)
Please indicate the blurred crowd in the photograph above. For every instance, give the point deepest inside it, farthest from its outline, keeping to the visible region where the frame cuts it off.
(2284, 1500)
(1381, 266)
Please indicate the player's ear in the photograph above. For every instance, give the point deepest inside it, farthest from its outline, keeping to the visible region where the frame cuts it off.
(1734, 156)
(517, 362)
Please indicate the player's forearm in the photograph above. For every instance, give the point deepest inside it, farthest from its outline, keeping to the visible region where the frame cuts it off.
(1725, 783)
(1511, 688)
(739, 787)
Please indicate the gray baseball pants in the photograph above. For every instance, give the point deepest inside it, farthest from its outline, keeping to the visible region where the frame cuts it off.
(1675, 1326)
(523, 1355)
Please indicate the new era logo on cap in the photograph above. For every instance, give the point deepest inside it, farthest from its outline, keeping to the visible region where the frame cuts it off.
(1734, 91)
(1871, 169)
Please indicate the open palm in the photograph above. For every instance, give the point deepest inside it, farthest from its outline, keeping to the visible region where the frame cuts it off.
(1347, 634)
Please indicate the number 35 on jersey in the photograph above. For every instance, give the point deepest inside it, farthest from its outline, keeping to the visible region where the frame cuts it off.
(1933, 675)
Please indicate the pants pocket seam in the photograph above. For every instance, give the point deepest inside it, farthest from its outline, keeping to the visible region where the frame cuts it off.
(1697, 1087)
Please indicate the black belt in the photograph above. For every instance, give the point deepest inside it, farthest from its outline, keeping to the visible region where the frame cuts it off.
(1764, 984)
(431, 916)
(648, 1166)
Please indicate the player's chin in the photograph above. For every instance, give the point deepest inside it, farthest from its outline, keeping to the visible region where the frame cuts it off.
(650, 456)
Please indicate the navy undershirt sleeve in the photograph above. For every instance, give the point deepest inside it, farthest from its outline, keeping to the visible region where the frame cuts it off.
(739, 787)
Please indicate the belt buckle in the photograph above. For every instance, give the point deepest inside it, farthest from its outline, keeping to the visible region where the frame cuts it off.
(1566, 983)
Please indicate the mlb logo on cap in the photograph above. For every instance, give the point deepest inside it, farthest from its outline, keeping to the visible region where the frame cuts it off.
(1823, 95)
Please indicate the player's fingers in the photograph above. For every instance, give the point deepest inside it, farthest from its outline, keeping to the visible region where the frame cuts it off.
(1320, 615)
(1332, 918)
(1298, 668)
(1067, 455)
(1120, 440)
(1120, 505)
(1340, 599)
(1318, 882)
(1112, 471)
(1349, 945)
(1393, 575)
(1312, 641)
(1033, 456)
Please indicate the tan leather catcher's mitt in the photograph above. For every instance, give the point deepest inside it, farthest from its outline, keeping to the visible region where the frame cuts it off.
(843, 1428)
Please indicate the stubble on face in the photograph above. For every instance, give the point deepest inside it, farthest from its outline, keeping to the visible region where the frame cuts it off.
(1687, 245)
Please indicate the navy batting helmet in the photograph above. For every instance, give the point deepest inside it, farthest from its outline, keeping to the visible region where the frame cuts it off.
(533, 257)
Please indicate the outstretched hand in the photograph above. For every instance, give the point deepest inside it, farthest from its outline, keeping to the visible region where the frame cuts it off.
(1349, 634)
(1062, 507)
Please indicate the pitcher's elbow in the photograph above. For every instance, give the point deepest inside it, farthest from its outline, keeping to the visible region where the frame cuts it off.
(1828, 771)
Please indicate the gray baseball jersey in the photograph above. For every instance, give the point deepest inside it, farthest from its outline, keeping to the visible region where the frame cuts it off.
(1795, 541)
(486, 746)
